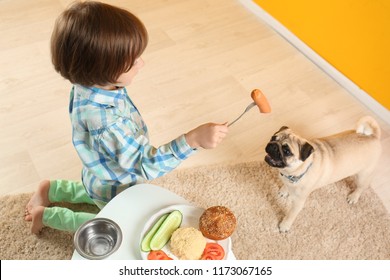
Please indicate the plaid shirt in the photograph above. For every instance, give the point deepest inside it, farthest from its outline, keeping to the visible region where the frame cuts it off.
(111, 140)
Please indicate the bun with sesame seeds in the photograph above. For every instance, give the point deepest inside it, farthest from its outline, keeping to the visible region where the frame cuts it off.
(217, 223)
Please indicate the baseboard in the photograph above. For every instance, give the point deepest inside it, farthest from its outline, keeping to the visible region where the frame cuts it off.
(373, 105)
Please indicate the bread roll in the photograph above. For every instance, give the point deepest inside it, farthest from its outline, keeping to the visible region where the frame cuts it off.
(217, 223)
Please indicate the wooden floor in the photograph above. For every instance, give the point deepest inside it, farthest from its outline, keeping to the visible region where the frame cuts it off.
(203, 60)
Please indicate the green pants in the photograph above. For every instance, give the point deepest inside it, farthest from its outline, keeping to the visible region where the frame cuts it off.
(62, 218)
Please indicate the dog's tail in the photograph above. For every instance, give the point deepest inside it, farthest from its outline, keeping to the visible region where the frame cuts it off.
(368, 126)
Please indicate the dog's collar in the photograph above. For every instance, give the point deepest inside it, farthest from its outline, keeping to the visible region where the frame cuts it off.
(295, 179)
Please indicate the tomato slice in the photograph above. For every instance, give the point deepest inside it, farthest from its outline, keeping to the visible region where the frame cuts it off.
(208, 257)
(158, 255)
(213, 251)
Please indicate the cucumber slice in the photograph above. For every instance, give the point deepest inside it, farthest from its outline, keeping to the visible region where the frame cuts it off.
(164, 232)
(145, 244)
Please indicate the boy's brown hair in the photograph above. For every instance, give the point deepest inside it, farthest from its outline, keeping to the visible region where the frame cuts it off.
(94, 43)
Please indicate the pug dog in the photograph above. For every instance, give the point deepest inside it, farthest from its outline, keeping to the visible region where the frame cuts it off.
(306, 165)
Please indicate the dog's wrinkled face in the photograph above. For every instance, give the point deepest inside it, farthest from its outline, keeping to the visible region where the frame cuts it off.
(287, 150)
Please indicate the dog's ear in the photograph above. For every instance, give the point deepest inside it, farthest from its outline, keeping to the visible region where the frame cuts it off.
(306, 151)
(282, 128)
(274, 137)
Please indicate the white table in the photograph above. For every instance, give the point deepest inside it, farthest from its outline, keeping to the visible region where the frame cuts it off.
(130, 209)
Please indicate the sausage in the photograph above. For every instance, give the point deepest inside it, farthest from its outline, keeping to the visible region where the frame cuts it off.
(261, 101)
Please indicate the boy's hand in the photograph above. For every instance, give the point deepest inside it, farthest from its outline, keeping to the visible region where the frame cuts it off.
(207, 136)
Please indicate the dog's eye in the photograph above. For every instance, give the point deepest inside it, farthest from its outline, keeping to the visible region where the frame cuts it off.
(286, 150)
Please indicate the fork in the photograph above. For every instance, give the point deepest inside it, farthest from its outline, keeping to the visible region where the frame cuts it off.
(250, 106)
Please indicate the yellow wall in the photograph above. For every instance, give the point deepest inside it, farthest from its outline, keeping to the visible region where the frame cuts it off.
(352, 35)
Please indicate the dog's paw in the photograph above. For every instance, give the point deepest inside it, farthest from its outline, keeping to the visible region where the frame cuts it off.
(283, 194)
(353, 198)
(284, 227)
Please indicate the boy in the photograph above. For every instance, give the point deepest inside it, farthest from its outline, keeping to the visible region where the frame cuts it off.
(98, 48)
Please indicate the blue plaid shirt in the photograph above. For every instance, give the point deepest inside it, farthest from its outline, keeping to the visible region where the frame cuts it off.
(111, 140)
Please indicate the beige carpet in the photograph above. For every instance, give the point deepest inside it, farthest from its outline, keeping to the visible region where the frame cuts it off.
(327, 228)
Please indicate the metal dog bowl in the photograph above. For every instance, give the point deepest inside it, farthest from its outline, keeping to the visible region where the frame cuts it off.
(98, 238)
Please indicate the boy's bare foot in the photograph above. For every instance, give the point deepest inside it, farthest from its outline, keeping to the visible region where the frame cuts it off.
(37, 215)
(39, 198)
